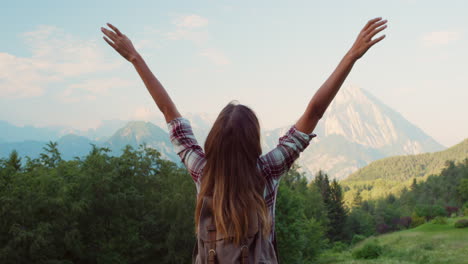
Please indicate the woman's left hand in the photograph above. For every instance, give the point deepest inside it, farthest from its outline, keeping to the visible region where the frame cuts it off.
(121, 43)
(364, 41)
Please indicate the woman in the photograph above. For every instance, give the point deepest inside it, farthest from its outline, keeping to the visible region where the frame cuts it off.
(236, 185)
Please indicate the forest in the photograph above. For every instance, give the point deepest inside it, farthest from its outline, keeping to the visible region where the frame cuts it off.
(394, 175)
(138, 208)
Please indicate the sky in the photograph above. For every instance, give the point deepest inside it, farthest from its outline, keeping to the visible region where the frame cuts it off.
(55, 68)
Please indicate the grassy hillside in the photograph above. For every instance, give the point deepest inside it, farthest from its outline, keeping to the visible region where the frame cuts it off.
(392, 175)
(428, 243)
(401, 168)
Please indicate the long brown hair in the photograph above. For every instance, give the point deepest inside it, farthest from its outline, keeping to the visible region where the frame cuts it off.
(231, 176)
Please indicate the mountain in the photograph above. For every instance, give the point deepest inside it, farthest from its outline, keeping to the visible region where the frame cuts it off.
(135, 133)
(31, 148)
(104, 130)
(71, 146)
(132, 133)
(361, 118)
(13, 133)
(357, 129)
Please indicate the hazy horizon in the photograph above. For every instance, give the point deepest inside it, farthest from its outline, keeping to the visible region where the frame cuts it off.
(55, 69)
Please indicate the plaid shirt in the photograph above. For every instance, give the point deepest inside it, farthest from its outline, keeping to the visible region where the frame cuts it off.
(272, 165)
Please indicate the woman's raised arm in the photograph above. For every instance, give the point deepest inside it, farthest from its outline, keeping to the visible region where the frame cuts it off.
(323, 97)
(124, 47)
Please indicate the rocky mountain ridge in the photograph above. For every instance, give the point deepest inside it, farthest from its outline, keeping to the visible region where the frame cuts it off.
(356, 130)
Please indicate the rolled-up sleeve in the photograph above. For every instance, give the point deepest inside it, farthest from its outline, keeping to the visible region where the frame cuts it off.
(279, 160)
(186, 146)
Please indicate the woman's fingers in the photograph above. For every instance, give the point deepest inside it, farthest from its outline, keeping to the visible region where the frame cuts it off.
(374, 26)
(119, 42)
(110, 43)
(370, 22)
(109, 34)
(364, 40)
(115, 29)
(375, 41)
(377, 30)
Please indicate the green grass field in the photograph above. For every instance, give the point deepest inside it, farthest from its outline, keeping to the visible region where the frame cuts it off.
(425, 244)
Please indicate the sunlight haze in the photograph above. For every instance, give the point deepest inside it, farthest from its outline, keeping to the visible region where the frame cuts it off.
(55, 69)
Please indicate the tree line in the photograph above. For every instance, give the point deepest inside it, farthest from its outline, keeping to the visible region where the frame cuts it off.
(442, 195)
(138, 208)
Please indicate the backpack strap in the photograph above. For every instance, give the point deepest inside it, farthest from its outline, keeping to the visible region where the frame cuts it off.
(244, 254)
(212, 245)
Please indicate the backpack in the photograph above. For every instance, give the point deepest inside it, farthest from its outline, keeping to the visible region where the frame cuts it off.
(214, 248)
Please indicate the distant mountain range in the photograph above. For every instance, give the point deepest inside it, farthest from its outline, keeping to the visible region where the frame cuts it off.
(12, 133)
(356, 130)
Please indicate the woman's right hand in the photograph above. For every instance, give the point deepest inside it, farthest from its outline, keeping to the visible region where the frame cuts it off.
(121, 43)
(364, 41)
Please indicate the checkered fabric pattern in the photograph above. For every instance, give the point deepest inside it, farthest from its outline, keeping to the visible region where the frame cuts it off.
(272, 165)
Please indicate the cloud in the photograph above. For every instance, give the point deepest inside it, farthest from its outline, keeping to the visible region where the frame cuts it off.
(190, 21)
(22, 77)
(189, 27)
(55, 57)
(196, 37)
(148, 113)
(148, 39)
(89, 90)
(64, 54)
(144, 113)
(215, 56)
(440, 38)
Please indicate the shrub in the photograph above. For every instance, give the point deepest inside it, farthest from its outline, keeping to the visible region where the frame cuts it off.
(451, 209)
(383, 228)
(465, 209)
(417, 220)
(370, 250)
(439, 220)
(360, 222)
(462, 223)
(430, 211)
(339, 246)
(357, 238)
(403, 222)
(438, 210)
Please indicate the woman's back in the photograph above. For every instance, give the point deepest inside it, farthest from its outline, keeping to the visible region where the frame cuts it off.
(269, 167)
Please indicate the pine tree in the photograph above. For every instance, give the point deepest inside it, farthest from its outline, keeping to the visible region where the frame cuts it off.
(336, 212)
(357, 199)
(414, 185)
(14, 160)
(52, 156)
(332, 195)
(323, 184)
